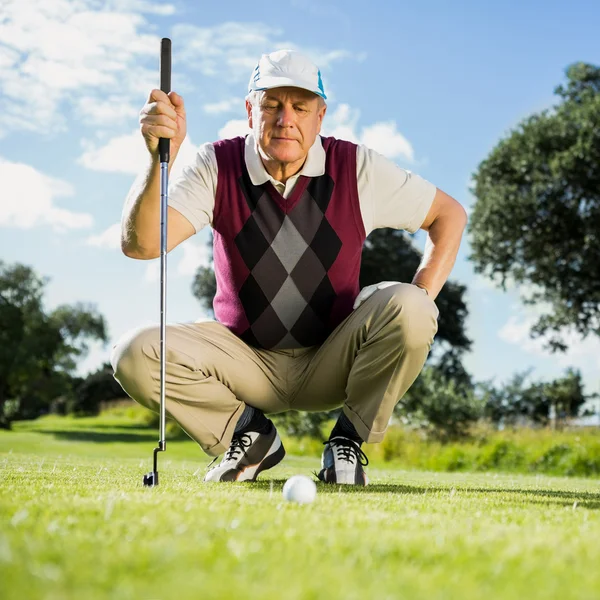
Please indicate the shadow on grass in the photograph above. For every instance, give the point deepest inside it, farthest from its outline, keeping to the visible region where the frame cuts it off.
(137, 426)
(587, 500)
(83, 435)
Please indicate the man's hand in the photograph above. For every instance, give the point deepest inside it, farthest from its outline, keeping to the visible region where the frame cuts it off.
(163, 116)
(371, 289)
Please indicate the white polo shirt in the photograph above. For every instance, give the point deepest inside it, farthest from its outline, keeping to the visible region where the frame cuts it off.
(389, 196)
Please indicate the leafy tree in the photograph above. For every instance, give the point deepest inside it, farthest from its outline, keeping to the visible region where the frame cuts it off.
(566, 394)
(39, 350)
(204, 287)
(96, 388)
(518, 400)
(442, 406)
(537, 210)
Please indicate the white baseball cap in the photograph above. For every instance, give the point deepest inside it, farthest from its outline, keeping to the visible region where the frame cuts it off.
(286, 68)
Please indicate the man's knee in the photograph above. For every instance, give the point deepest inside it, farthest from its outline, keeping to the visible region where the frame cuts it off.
(413, 312)
(129, 363)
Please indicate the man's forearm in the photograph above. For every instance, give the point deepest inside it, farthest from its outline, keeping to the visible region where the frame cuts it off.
(441, 249)
(140, 224)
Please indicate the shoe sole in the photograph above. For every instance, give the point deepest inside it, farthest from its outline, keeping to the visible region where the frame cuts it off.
(363, 483)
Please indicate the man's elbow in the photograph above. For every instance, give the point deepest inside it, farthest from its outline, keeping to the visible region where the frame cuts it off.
(134, 251)
(464, 216)
(455, 217)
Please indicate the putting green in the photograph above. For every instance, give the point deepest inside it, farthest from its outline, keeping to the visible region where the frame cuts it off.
(77, 523)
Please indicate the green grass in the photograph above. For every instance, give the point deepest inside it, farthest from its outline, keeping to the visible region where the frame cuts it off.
(567, 452)
(75, 522)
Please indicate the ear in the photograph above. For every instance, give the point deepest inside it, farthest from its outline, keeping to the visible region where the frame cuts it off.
(249, 111)
(320, 116)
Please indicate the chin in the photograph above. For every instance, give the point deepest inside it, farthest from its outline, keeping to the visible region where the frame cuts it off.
(285, 156)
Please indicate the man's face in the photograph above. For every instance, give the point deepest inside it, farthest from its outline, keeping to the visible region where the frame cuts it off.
(286, 122)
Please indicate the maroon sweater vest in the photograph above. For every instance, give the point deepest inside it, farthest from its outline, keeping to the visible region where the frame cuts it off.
(287, 269)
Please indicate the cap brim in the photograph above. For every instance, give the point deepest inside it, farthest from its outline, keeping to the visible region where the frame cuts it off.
(268, 83)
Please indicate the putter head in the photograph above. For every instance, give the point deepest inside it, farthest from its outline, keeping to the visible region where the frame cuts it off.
(151, 479)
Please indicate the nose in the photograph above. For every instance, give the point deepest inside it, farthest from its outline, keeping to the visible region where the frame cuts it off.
(285, 117)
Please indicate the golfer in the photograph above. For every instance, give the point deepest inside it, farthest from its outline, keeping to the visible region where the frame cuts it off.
(290, 211)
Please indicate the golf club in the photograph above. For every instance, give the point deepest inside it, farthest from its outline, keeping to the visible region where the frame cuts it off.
(151, 479)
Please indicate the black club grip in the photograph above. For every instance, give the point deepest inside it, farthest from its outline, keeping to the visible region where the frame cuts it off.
(165, 86)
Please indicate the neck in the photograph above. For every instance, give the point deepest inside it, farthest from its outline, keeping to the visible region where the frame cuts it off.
(282, 171)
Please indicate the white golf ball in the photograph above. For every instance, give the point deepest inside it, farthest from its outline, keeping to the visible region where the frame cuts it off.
(300, 489)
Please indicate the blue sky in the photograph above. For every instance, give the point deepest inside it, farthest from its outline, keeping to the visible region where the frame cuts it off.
(433, 85)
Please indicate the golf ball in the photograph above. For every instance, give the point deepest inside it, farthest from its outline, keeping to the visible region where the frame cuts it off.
(300, 489)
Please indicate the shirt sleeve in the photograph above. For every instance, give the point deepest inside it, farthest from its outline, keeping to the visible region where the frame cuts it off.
(389, 195)
(192, 192)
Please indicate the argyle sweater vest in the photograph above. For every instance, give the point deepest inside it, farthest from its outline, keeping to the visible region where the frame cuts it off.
(286, 269)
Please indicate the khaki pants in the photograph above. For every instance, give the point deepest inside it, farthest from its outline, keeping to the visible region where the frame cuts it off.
(366, 365)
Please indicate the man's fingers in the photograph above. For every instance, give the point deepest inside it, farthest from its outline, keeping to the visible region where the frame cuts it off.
(176, 99)
(158, 131)
(159, 120)
(163, 116)
(364, 294)
(159, 108)
(157, 95)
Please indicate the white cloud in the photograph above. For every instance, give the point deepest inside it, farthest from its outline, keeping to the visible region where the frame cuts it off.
(62, 61)
(342, 123)
(109, 238)
(225, 106)
(58, 55)
(231, 48)
(194, 255)
(121, 154)
(128, 154)
(516, 331)
(107, 111)
(234, 128)
(190, 255)
(234, 48)
(152, 272)
(143, 6)
(382, 137)
(28, 200)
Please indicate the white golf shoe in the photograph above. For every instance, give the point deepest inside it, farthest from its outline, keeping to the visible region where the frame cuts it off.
(249, 454)
(342, 462)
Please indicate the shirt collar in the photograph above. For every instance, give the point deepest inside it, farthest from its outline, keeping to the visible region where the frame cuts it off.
(314, 166)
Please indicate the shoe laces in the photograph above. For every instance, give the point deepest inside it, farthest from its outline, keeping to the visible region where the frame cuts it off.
(239, 443)
(348, 451)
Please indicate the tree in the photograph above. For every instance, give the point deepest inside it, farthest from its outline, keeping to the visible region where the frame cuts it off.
(204, 287)
(537, 211)
(518, 400)
(96, 388)
(443, 407)
(39, 350)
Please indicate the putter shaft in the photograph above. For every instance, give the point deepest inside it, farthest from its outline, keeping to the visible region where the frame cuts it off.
(164, 145)
(164, 185)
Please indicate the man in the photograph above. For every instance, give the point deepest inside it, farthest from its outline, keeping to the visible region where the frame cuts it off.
(290, 211)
